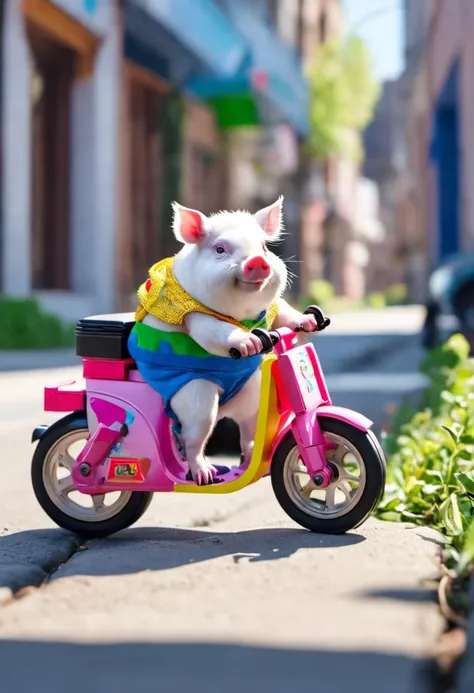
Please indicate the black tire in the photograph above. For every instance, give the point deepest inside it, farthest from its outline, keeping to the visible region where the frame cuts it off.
(369, 448)
(128, 515)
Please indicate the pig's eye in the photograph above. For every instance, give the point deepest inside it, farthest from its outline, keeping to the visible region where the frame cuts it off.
(220, 250)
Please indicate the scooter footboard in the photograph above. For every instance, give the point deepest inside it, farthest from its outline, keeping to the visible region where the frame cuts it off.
(68, 397)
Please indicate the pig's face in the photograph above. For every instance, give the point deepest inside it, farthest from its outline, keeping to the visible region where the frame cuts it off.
(226, 263)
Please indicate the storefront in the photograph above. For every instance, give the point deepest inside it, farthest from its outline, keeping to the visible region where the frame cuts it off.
(58, 100)
(61, 51)
(2, 10)
(172, 141)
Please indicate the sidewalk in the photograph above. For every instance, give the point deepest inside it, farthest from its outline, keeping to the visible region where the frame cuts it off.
(371, 335)
(200, 583)
(371, 332)
(37, 359)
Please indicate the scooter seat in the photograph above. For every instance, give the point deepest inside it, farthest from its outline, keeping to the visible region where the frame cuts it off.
(104, 336)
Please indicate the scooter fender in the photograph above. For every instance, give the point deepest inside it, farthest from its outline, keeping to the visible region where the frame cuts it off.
(330, 411)
(347, 416)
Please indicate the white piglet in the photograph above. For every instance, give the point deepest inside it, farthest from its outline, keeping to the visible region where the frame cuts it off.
(226, 265)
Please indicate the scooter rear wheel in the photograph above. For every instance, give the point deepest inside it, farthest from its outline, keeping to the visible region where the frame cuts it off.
(359, 470)
(87, 516)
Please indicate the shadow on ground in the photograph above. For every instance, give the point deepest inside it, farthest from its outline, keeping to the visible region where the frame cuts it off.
(413, 596)
(162, 548)
(55, 667)
(27, 557)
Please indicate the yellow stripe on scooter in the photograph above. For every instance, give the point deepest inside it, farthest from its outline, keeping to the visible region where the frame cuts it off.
(266, 430)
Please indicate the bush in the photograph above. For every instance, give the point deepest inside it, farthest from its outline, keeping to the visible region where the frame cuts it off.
(23, 325)
(321, 292)
(396, 295)
(376, 300)
(431, 457)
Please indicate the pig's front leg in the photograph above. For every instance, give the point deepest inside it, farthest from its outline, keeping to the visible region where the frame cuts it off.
(217, 337)
(293, 319)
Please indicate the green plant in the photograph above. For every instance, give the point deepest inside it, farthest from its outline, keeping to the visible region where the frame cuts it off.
(396, 295)
(343, 93)
(321, 292)
(23, 325)
(376, 300)
(431, 456)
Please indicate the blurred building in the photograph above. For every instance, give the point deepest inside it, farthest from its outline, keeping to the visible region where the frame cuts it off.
(439, 93)
(340, 216)
(384, 146)
(111, 110)
(61, 66)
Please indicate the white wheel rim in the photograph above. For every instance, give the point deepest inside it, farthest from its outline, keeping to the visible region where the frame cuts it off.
(59, 486)
(342, 495)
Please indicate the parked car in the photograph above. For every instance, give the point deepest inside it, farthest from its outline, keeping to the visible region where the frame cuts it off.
(450, 303)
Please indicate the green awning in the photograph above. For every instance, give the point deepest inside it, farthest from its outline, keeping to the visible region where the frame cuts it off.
(236, 110)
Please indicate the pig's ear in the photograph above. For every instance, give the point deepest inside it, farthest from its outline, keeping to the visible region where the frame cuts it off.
(270, 219)
(188, 224)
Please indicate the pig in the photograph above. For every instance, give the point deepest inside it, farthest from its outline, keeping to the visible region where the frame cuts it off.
(225, 264)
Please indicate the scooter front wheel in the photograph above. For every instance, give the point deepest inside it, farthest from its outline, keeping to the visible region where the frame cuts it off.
(358, 464)
(87, 516)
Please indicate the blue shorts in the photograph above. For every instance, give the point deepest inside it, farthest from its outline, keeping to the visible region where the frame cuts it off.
(168, 373)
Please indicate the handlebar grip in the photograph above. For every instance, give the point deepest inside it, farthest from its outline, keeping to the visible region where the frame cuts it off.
(234, 353)
(268, 339)
(321, 320)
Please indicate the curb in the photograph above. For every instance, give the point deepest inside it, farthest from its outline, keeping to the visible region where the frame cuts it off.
(28, 558)
(466, 678)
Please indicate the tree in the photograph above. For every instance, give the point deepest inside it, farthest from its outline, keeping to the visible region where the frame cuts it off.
(343, 94)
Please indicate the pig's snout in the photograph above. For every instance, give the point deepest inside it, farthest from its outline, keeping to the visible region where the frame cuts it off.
(256, 269)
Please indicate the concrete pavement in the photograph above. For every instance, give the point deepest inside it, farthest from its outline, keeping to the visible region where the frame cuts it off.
(238, 597)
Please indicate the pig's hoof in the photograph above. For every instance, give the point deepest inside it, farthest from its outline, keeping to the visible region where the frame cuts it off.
(202, 472)
(220, 471)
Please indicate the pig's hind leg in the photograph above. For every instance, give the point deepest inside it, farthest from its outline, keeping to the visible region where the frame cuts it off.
(196, 405)
(243, 409)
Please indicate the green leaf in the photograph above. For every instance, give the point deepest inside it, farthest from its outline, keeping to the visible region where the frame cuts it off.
(466, 557)
(435, 473)
(465, 455)
(466, 480)
(459, 345)
(411, 515)
(451, 516)
(430, 489)
(452, 433)
(390, 516)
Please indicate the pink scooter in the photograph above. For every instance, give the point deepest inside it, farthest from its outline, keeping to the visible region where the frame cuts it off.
(94, 471)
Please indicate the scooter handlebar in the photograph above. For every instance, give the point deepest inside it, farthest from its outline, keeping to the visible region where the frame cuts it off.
(269, 339)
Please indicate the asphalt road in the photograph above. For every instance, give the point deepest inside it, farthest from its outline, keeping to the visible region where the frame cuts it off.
(217, 593)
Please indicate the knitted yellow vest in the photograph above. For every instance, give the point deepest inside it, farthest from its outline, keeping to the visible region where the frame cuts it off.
(164, 298)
